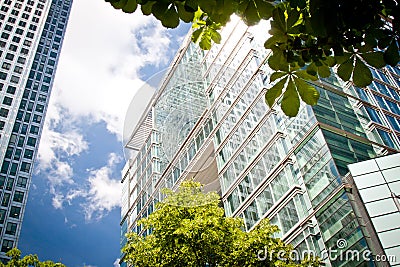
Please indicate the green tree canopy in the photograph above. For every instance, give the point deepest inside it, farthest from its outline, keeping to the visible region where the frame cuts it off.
(189, 228)
(307, 37)
(26, 261)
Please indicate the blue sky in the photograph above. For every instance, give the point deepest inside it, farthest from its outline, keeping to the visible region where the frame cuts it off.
(73, 209)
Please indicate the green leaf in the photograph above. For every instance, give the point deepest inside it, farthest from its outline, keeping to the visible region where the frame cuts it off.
(264, 9)
(196, 34)
(171, 18)
(312, 69)
(308, 26)
(306, 76)
(317, 19)
(290, 102)
(274, 92)
(375, 59)
(276, 75)
(278, 19)
(274, 39)
(293, 18)
(198, 23)
(324, 71)
(119, 4)
(330, 61)
(296, 29)
(277, 60)
(365, 49)
(146, 8)
(252, 11)
(345, 69)
(215, 36)
(191, 5)
(198, 16)
(391, 55)
(370, 39)
(384, 41)
(185, 15)
(341, 59)
(205, 40)
(250, 14)
(208, 5)
(130, 6)
(362, 75)
(159, 9)
(298, 3)
(308, 93)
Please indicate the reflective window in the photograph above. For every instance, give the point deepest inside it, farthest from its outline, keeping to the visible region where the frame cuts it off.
(15, 212)
(394, 122)
(11, 228)
(7, 245)
(386, 138)
(18, 196)
(22, 181)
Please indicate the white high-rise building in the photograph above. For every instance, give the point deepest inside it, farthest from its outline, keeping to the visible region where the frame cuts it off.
(31, 36)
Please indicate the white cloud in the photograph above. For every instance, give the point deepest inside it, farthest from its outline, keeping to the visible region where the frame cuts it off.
(104, 192)
(113, 159)
(99, 195)
(102, 55)
(57, 200)
(60, 136)
(56, 148)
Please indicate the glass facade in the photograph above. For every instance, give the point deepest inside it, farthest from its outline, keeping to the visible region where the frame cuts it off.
(31, 38)
(264, 165)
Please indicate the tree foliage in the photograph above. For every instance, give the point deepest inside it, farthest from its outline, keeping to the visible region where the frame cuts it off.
(307, 37)
(189, 228)
(26, 261)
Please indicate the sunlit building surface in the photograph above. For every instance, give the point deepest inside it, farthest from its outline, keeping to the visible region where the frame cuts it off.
(377, 192)
(208, 120)
(31, 35)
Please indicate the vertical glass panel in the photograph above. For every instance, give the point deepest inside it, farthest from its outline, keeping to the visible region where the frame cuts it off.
(387, 138)
(291, 216)
(265, 200)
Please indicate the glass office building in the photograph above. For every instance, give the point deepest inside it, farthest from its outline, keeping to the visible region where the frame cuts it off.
(31, 36)
(208, 120)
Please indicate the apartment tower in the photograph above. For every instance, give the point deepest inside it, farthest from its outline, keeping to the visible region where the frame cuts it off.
(208, 120)
(31, 36)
